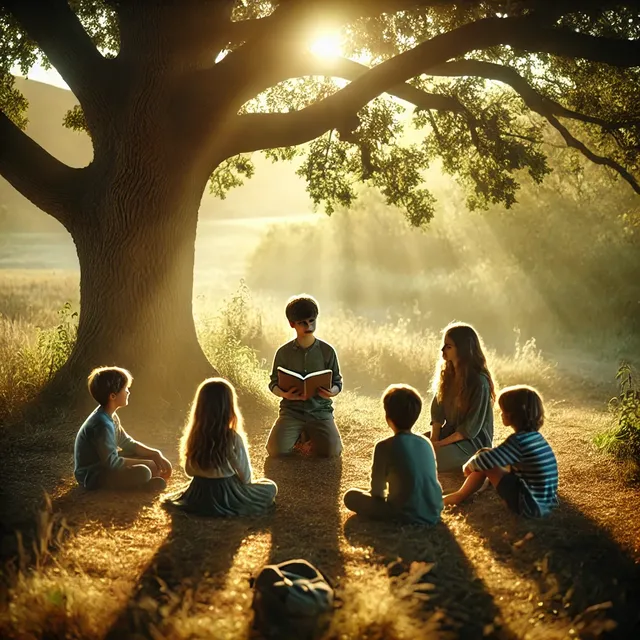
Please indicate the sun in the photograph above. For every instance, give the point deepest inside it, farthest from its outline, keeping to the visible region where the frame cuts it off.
(326, 45)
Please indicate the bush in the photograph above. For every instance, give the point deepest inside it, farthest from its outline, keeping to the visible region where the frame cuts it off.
(623, 441)
(31, 356)
(224, 338)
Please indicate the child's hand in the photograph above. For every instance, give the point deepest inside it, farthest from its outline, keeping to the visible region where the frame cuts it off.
(293, 394)
(325, 393)
(164, 466)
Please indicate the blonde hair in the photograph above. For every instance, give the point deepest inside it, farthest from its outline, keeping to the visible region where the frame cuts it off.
(471, 361)
(523, 404)
(214, 418)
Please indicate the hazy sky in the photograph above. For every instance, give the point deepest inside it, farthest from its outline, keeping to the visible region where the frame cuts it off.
(50, 76)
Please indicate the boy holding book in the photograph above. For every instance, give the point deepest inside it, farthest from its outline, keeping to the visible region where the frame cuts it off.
(405, 463)
(312, 415)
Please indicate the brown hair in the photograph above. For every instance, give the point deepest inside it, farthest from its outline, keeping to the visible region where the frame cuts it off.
(103, 381)
(472, 363)
(402, 405)
(524, 407)
(301, 307)
(208, 436)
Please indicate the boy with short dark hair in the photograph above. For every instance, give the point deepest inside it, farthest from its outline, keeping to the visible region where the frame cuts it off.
(314, 415)
(406, 463)
(101, 440)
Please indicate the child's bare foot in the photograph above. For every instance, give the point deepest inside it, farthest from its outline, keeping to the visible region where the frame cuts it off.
(452, 499)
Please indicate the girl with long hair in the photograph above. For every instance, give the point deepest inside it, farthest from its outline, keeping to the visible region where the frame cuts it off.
(462, 407)
(214, 452)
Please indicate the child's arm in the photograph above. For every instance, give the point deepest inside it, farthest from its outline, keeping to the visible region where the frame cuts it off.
(479, 407)
(131, 447)
(503, 455)
(164, 466)
(378, 473)
(292, 394)
(240, 460)
(437, 419)
(106, 446)
(336, 377)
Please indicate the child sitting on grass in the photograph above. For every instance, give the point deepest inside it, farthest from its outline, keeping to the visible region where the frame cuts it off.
(214, 453)
(523, 469)
(98, 462)
(406, 463)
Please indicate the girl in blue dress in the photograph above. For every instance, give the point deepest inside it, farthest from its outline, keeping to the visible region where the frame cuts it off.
(214, 453)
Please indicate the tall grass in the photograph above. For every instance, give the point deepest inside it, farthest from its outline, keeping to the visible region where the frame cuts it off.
(240, 338)
(30, 356)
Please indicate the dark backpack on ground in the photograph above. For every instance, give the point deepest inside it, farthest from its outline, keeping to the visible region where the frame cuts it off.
(291, 600)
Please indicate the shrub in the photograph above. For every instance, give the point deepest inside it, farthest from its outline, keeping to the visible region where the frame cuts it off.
(623, 441)
(31, 356)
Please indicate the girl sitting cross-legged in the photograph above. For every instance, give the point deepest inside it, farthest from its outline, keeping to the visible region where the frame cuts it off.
(523, 469)
(462, 407)
(214, 453)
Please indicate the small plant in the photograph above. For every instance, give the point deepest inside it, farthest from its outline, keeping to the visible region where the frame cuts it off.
(623, 441)
(55, 345)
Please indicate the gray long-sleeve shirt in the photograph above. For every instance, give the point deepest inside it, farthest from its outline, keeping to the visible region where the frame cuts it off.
(237, 464)
(96, 446)
(476, 424)
(320, 355)
(406, 463)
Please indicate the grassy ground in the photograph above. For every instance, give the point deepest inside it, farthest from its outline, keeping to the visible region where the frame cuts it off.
(122, 566)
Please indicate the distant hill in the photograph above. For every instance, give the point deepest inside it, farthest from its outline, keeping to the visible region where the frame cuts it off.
(47, 107)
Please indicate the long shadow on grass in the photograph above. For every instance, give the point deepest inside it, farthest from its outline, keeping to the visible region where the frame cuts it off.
(469, 609)
(575, 563)
(191, 565)
(307, 520)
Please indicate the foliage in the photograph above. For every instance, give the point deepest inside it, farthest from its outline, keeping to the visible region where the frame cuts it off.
(561, 265)
(221, 335)
(230, 174)
(485, 141)
(623, 441)
(28, 360)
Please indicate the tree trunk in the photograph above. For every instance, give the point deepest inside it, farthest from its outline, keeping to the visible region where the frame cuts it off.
(136, 249)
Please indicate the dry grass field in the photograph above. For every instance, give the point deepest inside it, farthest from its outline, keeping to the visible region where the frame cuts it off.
(115, 566)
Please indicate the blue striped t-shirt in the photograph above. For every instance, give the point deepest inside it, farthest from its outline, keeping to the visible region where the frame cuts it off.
(532, 459)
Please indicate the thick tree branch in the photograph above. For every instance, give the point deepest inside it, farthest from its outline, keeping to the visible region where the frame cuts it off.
(546, 107)
(531, 97)
(260, 131)
(58, 32)
(574, 143)
(50, 184)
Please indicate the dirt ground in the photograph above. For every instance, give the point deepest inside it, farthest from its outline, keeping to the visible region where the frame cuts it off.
(125, 566)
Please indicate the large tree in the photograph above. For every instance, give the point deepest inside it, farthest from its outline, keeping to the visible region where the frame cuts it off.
(178, 93)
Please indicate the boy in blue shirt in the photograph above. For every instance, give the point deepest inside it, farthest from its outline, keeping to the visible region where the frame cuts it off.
(405, 463)
(105, 456)
(314, 415)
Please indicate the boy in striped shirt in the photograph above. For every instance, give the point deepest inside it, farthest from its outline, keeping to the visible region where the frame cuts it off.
(523, 469)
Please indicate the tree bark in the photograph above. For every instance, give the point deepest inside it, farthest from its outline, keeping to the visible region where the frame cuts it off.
(136, 248)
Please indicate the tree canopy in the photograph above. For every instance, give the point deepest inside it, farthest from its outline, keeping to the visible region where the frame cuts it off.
(176, 94)
(477, 81)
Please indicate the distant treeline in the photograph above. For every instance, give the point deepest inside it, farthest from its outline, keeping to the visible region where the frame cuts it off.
(561, 265)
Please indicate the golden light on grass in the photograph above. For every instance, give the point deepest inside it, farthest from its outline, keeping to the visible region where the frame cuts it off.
(326, 45)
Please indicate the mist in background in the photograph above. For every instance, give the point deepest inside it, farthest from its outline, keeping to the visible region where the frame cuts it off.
(562, 266)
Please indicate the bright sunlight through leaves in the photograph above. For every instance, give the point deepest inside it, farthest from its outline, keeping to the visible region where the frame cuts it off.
(326, 45)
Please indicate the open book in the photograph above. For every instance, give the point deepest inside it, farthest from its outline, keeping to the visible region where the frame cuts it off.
(307, 385)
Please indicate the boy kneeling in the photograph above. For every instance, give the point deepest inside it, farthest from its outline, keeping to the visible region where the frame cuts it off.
(98, 463)
(406, 463)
